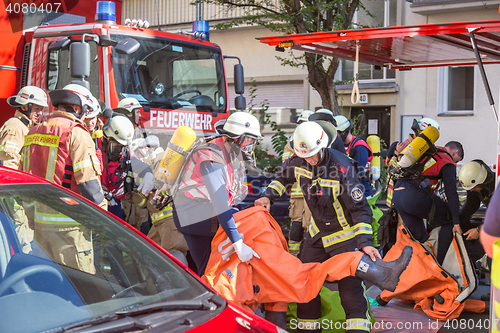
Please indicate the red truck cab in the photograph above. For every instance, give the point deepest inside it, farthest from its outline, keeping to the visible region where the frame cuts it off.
(179, 79)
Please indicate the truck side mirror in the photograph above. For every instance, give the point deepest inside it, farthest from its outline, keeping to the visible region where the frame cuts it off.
(240, 103)
(79, 60)
(239, 79)
(127, 46)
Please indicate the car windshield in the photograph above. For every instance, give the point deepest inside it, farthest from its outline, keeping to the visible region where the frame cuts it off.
(170, 74)
(81, 263)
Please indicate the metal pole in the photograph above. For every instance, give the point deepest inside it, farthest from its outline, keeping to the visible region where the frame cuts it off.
(481, 70)
(199, 10)
(488, 92)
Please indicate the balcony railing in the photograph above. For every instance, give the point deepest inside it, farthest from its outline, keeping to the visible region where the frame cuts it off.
(178, 12)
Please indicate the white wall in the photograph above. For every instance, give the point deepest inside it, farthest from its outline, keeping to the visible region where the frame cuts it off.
(419, 93)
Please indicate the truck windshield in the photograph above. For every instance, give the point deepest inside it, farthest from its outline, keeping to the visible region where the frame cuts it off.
(170, 74)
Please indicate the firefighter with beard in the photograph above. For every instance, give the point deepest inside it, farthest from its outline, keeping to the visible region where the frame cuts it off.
(120, 165)
(341, 218)
(30, 102)
(62, 151)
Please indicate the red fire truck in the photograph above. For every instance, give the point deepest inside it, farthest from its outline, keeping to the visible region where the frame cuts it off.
(179, 79)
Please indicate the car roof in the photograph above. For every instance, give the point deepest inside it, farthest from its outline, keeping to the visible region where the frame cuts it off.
(12, 176)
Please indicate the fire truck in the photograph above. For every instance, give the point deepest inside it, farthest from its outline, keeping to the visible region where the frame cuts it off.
(179, 79)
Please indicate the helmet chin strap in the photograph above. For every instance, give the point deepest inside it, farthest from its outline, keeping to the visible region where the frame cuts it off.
(321, 154)
(70, 109)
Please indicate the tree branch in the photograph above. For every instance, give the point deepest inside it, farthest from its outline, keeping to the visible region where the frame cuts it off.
(234, 4)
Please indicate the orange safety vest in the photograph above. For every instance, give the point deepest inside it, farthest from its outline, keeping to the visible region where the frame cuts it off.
(278, 277)
(192, 184)
(46, 152)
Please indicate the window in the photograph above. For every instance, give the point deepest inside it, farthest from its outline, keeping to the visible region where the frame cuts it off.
(58, 69)
(456, 90)
(382, 15)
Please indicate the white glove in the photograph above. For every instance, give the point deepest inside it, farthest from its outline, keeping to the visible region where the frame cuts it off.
(244, 252)
(147, 184)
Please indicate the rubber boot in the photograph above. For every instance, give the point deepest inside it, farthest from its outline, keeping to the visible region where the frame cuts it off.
(384, 275)
(277, 318)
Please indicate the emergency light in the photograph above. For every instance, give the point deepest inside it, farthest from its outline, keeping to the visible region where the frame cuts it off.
(200, 30)
(105, 11)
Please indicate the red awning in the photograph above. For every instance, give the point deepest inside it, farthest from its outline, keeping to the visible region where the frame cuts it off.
(429, 45)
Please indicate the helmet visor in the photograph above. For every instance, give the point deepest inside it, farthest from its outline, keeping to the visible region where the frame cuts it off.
(414, 126)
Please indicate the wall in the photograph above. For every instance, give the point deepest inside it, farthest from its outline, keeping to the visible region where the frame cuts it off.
(419, 92)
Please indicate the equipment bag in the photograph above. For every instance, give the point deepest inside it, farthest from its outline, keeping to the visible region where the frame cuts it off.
(440, 291)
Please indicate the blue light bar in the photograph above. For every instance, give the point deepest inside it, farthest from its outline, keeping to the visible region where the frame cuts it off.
(201, 27)
(105, 11)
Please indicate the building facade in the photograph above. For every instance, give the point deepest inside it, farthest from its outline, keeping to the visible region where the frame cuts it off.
(454, 96)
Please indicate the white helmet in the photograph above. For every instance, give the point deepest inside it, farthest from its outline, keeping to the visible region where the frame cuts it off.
(96, 109)
(472, 174)
(129, 104)
(240, 123)
(424, 122)
(119, 128)
(323, 114)
(343, 124)
(73, 94)
(304, 116)
(28, 94)
(308, 139)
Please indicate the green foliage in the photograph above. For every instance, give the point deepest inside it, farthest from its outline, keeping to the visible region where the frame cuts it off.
(358, 128)
(292, 17)
(266, 161)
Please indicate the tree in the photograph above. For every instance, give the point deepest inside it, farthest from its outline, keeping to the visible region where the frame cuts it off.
(295, 16)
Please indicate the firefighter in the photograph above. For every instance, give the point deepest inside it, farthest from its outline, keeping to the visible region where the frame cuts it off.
(131, 108)
(357, 149)
(299, 212)
(30, 102)
(416, 199)
(341, 218)
(214, 182)
(327, 115)
(61, 151)
(478, 180)
(120, 166)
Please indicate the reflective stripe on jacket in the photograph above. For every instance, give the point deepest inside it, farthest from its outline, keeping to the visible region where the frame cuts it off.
(334, 195)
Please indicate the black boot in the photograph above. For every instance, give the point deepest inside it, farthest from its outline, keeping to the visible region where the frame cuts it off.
(384, 275)
(277, 318)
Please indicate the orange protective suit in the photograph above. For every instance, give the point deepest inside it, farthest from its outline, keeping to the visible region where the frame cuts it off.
(424, 278)
(278, 277)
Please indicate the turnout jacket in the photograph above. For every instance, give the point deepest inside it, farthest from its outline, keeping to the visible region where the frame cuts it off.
(12, 136)
(341, 215)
